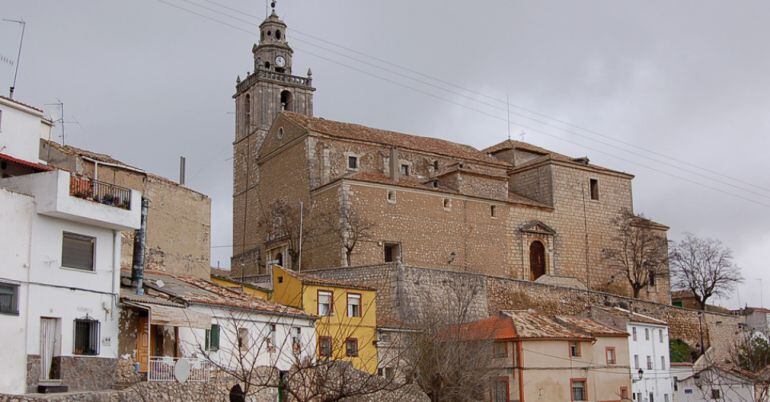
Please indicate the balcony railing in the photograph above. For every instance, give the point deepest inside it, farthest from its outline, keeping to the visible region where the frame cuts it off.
(103, 193)
(161, 369)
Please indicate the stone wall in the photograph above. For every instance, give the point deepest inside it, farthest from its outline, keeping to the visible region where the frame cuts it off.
(79, 373)
(404, 291)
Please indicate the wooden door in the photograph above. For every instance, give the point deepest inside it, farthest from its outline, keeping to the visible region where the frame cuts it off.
(142, 344)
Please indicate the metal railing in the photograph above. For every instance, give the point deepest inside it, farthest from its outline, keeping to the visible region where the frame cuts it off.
(103, 193)
(161, 369)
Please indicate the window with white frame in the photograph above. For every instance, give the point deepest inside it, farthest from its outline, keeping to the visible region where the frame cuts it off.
(579, 390)
(78, 251)
(212, 338)
(325, 303)
(649, 362)
(296, 339)
(633, 333)
(636, 361)
(354, 305)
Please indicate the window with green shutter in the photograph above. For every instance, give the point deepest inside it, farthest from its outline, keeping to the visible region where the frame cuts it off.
(212, 338)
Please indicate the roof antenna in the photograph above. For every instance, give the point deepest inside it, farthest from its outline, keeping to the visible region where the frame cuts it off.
(508, 112)
(18, 56)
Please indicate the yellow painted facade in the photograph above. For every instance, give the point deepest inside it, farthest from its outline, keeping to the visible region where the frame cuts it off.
(246, 288)
(342, 326)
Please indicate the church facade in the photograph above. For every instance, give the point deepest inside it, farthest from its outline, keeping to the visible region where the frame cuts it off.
(512, 210)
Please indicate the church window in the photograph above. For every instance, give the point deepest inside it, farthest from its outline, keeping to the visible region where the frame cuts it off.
(536, 259)
(269, 33)
(435, 166)
(278, 34)
(651, 281)
(493, 211)
(404, 169)
(247, 112)
(447, 203)
(391, 196)
(286, 100)
(392, 252)
(267, 64)
(352, 162)
(435, 183)
(594, 189)
(280, 133)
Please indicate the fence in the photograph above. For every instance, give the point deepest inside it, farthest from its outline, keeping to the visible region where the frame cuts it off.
(162, 369)
(103, 193)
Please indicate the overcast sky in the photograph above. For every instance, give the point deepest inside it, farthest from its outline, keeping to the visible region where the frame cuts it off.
(677, 93)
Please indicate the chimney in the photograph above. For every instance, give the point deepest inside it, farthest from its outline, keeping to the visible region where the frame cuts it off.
(182, 162)
(394, 165)
(140, 235)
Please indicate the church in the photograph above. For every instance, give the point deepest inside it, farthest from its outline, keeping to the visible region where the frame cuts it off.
(311, 193)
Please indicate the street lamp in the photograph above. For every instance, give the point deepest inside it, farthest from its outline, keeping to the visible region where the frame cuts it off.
(641, 375)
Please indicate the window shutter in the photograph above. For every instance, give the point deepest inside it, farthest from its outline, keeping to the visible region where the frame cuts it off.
(214, 337)
(78, 251)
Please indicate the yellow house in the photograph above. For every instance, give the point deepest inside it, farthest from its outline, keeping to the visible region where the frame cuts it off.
(347, 324)
(246, 288)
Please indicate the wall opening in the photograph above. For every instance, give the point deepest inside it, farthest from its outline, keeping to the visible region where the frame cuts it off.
(536, 260)
(286, 101)
(392, 251)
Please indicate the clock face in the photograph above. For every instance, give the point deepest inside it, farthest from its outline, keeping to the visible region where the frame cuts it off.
(280, 61)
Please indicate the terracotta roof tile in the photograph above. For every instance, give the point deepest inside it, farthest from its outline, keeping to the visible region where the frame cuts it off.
(590, 327)
(314, 280)
(498, 328)
(525, 146)
(533, 325)
(406, 141)
(33, 165)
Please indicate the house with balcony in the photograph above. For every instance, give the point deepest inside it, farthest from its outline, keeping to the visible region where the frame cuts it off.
(208, 327)
(59, 281)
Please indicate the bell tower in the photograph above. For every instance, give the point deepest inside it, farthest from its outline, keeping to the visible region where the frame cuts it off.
(259, 97)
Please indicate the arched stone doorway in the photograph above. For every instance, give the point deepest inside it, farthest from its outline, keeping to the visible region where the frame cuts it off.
(536, 260)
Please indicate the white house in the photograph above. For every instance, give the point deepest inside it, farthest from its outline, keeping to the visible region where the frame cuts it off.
(59, 277)
(694, 383)
(187, 318)
(648, 347)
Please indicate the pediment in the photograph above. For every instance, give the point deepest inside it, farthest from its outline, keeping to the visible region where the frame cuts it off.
(538, 227)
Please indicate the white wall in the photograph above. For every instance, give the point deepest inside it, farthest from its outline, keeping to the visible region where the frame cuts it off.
(658, 380)
(20, 130)
(16, 212)
(258, 324)
(732, 389)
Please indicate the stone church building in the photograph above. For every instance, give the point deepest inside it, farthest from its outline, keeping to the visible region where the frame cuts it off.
(512, 210)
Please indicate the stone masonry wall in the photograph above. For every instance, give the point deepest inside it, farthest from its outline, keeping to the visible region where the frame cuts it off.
(403, 292)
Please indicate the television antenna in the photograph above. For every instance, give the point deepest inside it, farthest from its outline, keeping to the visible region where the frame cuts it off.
(18, 56)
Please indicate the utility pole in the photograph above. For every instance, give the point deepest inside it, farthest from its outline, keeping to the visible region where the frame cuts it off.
(18, 56)
(299, 258)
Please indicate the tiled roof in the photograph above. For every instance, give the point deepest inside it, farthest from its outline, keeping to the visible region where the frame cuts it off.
(33, 165)
(198, 291)
(498, 327)
(512, 144)
(590, 327)
(401, 140)
(532, 325)
(314, 280)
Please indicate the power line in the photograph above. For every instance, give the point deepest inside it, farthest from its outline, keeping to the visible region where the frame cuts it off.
(484, 112)
(502, 102)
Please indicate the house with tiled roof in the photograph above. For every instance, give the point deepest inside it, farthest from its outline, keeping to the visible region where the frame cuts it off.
(553, 358)
(425, 201)
(185, 318)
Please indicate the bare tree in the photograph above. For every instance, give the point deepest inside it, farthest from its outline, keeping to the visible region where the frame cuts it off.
(704, 267)
(638, 250)
(449, 360)
(744, 375)
(350, 228)
(290, 223)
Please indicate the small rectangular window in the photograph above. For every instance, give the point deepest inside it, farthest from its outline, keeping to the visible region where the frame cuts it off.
(391, 196)
(86, 338)
(651, 281)
(649, 362)
(636, 361)
(352, 162)
(633, 333)
(579, 390)
(646, 334)
(243, 338)
(594, 189)
(296, 340)
(493, 211)
(9, 298)
(574, 349)
(325, 305)
(404, 169)
(663, 362)
(325, 346)
(351, 347)
(609, 354)
(660, 335)
(447, 203)
(392, 252)
(354, 305)
(500, 349)
(212, 338)
(716, 394)
(501, 390)
(78, 251)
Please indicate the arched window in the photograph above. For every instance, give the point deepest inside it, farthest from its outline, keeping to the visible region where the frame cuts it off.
(286, 99)
(247, 112)
(267, 65)
(278, 34)
(536, 260)
(279, 259)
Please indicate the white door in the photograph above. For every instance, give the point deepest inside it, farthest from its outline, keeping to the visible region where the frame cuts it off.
(50, 346)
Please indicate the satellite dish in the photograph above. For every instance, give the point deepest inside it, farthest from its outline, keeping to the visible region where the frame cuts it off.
(182, 370)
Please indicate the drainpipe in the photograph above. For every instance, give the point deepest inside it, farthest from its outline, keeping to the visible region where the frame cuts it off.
(137, 269)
